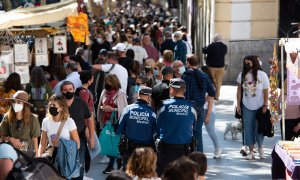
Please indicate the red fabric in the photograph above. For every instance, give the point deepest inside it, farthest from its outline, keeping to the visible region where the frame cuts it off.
(88, 98)
(109, 100)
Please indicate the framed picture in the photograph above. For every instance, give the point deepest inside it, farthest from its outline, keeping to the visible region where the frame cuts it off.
(23, 71)
(41, 59)
(60, 45)
(6, 64)
(21, 53)
(40, 45)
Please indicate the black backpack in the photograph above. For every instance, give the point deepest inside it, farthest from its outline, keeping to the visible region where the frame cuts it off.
(26, 167)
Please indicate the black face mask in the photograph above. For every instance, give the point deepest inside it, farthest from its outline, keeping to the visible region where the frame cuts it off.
(107, 87)
(147, 70)
(68, 95)
(53, 111)
(247, 67)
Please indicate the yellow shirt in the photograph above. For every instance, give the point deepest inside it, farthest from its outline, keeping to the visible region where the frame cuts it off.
(4, 105)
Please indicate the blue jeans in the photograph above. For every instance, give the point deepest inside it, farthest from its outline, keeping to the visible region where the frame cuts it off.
(83, 148)
(251, 128)
(210, 128)
(198, 128)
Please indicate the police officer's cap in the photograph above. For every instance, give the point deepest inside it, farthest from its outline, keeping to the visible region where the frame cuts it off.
(177, 83)
(145, 90)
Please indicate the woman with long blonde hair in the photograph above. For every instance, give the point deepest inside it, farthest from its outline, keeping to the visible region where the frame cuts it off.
(57, 113)
(142, 164)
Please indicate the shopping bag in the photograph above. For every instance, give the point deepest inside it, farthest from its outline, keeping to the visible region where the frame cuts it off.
(94, 152)
(109, 141)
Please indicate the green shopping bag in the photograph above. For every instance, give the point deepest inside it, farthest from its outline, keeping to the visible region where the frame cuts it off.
(109, 141)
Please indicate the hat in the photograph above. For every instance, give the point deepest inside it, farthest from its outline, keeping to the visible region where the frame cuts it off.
(167, 70)
(136, 39)
(103, 52)
(177, 83)
(20, 96)
(119, 47)
(145, 90)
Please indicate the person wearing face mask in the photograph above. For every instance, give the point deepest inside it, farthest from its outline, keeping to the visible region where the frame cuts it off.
(176, 120)
(99, 43)
(79, 111)
(112, 99)
(161, 90)
(180, 49)
(255, 84)
(57, 113)
(19, 126)
(178, 68)
(138, 123)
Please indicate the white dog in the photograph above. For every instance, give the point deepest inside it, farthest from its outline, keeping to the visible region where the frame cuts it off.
(234, 128)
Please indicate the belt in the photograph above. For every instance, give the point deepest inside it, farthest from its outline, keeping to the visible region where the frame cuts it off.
(174, 145)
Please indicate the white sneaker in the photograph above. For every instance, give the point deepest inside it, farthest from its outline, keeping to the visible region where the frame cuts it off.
(104, 160)
(250, 156)
(261, 153)
(218, 153)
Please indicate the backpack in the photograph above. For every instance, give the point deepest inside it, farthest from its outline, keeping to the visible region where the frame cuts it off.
(26, 167)
(38, 94)
(78, 90)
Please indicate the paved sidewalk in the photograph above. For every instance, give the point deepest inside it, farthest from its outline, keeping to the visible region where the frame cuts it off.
(232, 165)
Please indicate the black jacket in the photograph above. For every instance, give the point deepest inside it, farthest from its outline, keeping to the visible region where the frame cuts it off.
(265, 125)
(215, 54)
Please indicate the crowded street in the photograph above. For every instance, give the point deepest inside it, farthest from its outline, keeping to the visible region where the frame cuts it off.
(149, 90)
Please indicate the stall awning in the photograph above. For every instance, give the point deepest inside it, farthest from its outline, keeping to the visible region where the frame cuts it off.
(38, 15)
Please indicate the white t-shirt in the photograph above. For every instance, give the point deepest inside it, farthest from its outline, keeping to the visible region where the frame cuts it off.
(51, 127)
(140, 53)
(120, 72)
(253, 96)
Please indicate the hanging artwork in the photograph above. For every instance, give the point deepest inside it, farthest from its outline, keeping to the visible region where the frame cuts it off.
(6, 64)
(60, 45)
(23, 71)
(21, 53)
(40, 45)
(41, 59)
(79, 27)
(292, 48)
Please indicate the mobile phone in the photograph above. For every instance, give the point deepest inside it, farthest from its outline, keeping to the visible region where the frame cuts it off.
(52, 136)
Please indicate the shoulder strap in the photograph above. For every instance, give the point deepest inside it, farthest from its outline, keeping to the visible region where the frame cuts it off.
(60, 128)
(111, 68)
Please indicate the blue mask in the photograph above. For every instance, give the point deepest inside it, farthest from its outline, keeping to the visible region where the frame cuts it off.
(181, 70)
(136, 88)
(155, 72)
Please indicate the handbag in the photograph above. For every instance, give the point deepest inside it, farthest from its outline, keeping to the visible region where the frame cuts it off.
(49, 149)
(108, 139)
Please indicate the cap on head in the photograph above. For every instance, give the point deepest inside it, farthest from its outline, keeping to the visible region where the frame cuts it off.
(167, 70)
(145, 90)
(136, 39)
(119, 47)
(177, 83)
(103, 52)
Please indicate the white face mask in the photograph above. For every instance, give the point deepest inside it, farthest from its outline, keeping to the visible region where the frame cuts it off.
(17, 107)
(181, 70)
(260, 62)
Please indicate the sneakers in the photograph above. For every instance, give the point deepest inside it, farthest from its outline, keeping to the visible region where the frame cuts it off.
(250, 156)
(244, 150)
(261, 153)
(218, 153)
(104, 160)
(108, 170)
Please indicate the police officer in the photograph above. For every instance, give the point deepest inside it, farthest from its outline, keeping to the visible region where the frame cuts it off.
(176, 118)
(138, 124)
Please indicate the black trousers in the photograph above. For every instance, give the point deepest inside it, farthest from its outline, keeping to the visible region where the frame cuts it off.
(169, 152)
(289, 128)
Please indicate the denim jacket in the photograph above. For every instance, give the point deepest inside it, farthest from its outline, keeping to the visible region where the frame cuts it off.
(67, 159)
